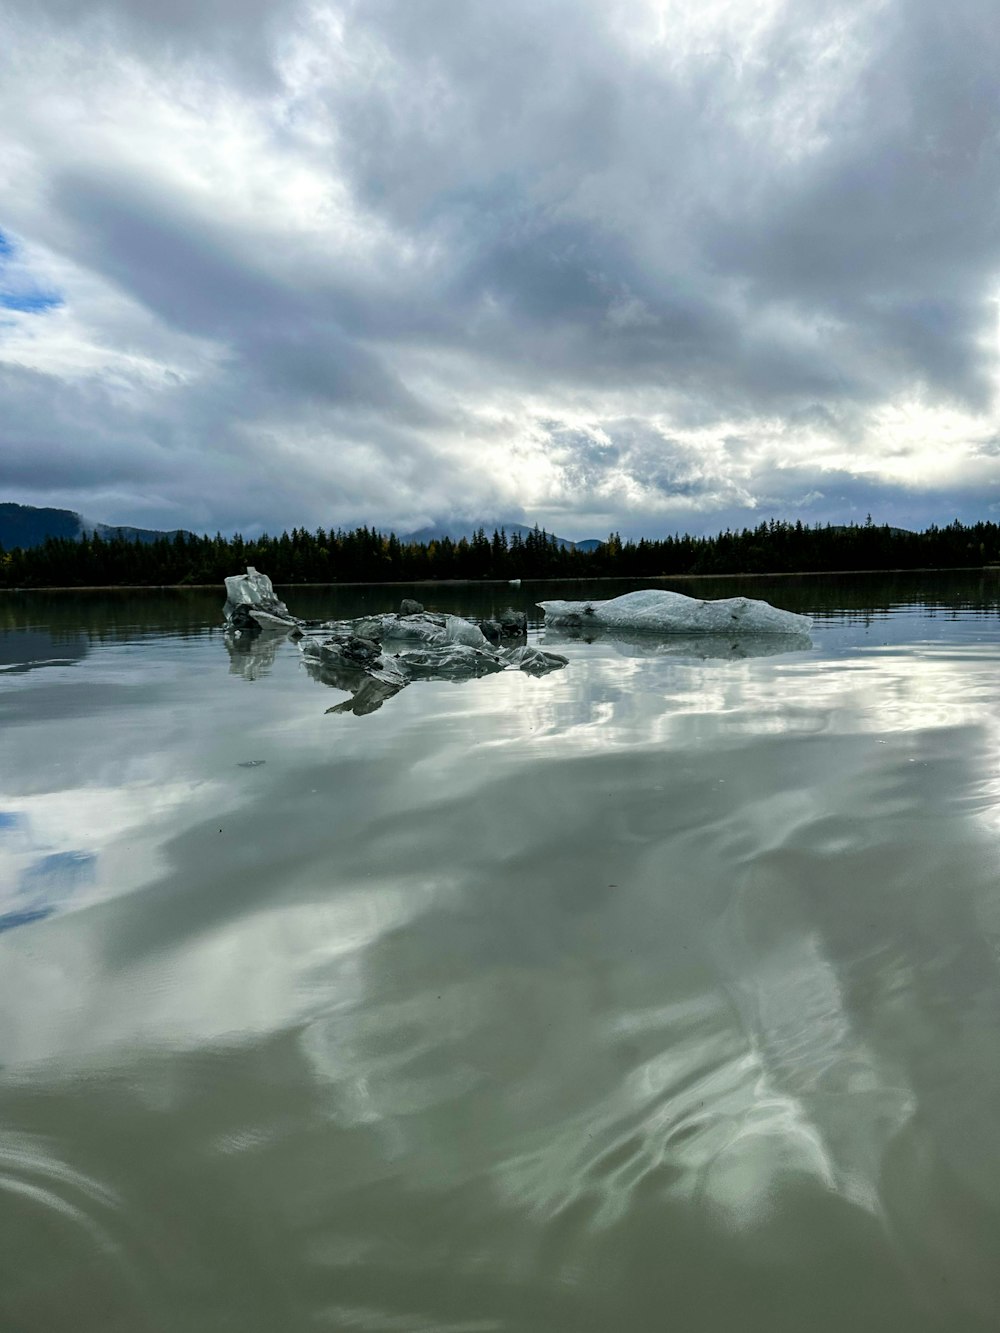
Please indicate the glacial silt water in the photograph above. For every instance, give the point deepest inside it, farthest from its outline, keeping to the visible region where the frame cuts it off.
(662, 992)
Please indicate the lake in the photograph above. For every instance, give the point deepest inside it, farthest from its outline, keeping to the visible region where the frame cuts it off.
(662, 992)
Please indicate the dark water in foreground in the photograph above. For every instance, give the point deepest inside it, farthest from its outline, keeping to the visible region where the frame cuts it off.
(659, 993)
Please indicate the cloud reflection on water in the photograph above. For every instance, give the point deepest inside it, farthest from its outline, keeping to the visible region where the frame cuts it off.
(647, 940)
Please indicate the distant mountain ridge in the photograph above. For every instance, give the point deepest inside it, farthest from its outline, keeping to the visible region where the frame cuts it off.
(29, 525)
(456, 531)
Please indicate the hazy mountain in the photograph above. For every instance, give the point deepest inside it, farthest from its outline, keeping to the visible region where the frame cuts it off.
(108, 531)
(26, 525)
(456, 531)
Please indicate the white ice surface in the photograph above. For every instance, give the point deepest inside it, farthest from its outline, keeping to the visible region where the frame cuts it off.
(251, 588)
(657, 611)
(256, 591)
(462, 631)
(426, 627)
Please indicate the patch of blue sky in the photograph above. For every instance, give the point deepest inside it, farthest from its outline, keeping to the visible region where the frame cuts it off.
(11, 820)
(18, 291)
(30, 302)
(46, 885)
(58, 874)
(8, 920)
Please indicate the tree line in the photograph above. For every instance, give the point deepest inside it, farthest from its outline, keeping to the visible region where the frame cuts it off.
(367, 555)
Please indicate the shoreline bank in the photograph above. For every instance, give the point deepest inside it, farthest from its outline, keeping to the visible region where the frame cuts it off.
(504, 583)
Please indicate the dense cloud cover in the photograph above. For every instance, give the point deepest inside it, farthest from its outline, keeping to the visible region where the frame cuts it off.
(642, 264)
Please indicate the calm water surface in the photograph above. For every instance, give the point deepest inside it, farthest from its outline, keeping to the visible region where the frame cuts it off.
(659, 993)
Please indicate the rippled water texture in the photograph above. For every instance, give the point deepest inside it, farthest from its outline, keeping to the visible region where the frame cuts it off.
(662, 992)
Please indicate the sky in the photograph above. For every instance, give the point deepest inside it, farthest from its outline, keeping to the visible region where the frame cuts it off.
(644, 265)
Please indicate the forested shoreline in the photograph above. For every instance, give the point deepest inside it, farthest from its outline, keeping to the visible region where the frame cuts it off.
(367, 555)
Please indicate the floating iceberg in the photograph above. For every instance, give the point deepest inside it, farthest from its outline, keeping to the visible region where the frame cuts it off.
(373, 657)
(431, 628)
(251, 603)
(376, 656)
(654, 610)
(352, 654)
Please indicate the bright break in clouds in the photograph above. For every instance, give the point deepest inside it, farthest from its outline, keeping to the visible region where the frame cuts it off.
(647, 265)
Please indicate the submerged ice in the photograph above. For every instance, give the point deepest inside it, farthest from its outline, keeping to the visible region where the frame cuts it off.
(351, 655)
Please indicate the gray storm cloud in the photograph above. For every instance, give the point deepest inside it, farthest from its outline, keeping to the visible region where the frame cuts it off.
(646, 265)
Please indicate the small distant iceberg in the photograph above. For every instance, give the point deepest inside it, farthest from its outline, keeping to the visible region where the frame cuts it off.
(656, 611)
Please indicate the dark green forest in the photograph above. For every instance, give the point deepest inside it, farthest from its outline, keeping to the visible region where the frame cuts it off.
(366, 555)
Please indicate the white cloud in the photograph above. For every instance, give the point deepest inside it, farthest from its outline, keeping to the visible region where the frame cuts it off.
(641, 265)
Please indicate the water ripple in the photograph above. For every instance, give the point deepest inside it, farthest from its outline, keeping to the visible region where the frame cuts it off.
(94, 1225)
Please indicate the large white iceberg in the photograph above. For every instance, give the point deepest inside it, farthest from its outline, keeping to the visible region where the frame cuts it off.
(657, 611)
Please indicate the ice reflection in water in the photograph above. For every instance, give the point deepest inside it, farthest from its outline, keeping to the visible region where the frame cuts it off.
(698, 647)
(251, 655)
(657, 991)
